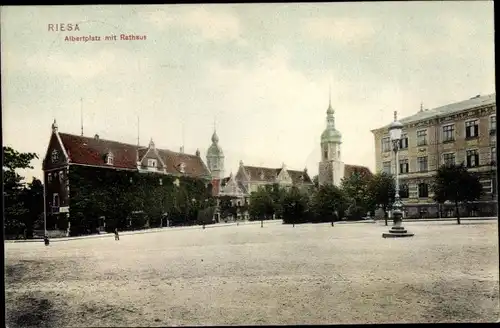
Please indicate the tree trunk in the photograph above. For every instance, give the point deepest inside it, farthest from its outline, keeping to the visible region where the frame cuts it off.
(457, 212)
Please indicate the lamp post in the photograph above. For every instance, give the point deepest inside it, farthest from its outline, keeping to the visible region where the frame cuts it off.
(397, 230)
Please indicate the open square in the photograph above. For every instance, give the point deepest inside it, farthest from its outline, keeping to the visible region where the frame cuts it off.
(237, 275)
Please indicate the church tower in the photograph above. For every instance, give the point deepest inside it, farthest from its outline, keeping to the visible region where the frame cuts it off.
(215, 158)
(331, 167)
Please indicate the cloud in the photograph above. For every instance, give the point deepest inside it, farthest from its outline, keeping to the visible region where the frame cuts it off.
(209, 24)
(342, 30)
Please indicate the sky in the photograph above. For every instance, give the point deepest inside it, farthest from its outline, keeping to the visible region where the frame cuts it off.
(261, 73)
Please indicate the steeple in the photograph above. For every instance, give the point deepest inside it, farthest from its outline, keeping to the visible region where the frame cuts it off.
(215, 137)
(330, 113)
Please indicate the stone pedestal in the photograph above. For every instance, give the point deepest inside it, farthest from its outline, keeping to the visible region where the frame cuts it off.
(397, 232)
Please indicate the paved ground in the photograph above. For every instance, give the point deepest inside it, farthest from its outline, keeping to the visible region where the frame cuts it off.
(237, 275)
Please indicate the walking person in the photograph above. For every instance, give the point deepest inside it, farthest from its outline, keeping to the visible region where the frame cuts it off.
(46, 240)
(117, 236)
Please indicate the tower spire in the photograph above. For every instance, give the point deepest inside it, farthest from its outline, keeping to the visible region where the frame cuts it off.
(330, 96)
(421, 106)
(81, 115)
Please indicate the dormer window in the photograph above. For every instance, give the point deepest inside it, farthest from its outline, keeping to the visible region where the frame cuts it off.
(55, 156)
(262, 175)
(109, 159)
(152, 162)
(182, 168)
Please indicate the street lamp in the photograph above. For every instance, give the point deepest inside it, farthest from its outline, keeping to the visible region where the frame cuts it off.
(397, 230)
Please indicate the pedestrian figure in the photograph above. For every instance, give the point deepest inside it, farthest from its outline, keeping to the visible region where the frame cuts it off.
(117, 237)
(203, 225)
(46, 240)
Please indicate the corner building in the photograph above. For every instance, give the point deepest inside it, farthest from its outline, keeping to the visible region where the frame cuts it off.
(462, 132)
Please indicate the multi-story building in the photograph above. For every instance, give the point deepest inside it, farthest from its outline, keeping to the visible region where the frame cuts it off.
(66, 150)
(462, 132)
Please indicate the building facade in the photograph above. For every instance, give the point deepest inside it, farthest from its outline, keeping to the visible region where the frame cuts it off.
(462, 132)
(250, 178)
(66, 150)
(331, 168)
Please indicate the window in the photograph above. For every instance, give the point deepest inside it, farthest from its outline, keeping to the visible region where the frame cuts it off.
(493, 123)
(422, 138)
(403, 166)
(422, 164)
(487, 186)
(403, 142)
(182, 168)
(386, 167)
(325, 152)
(386, 144)
(61, 176)
(423, 190)
(161, 182)
(448, 133)
(472, 129)
(472, 158)
(109, 159)
(152, 162)
(49, 177)
(449, 159)
(493, 155)
(55, 200)
(403, 191)
(55, 156)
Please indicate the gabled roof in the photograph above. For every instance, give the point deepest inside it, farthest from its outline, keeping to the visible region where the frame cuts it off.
(269, 175)
(92, 151)
(448, 109)
(351, 169)
(193, 165)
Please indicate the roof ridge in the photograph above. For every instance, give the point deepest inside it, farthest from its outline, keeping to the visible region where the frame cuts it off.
(101, 139)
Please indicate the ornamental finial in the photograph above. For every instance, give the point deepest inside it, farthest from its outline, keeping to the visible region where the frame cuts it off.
(395, 115)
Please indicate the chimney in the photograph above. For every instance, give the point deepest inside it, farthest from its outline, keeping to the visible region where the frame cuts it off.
(241, 163)
(197, 152)
(96, 137)
(181, 150)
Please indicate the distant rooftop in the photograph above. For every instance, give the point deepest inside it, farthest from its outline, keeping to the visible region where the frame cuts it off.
(424, 114)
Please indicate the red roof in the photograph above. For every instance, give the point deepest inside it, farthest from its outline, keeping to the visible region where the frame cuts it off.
(93, 151)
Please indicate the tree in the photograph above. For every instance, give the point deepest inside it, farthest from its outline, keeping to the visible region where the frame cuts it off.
(295, 206)
(15, 210)
(455, 184)
(381, 189)
(316, 181)
(277, 194)
(33, 202)
(329, 204)
(261, 204)
(355, 188)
